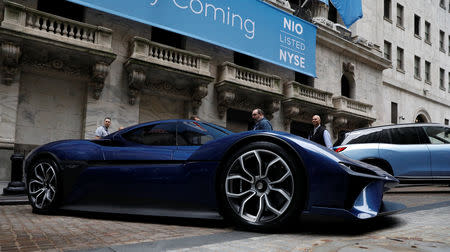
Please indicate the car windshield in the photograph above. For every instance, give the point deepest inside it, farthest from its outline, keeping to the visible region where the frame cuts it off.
(181, 133)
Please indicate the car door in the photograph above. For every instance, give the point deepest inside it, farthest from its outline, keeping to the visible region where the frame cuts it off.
(439, 147)
(195, 184)
(139, 169)
(401, 147)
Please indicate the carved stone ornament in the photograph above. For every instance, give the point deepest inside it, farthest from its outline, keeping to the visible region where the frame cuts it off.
(10, 65)
(225, 99)
(283, 4)
(339, 123)
(136, 80)
(348, 67)
(290, 112)
(43, 64)
(199, 93)
(99, 73)
(273, 107)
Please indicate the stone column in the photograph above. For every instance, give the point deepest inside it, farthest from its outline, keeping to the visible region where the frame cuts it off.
(319, 9)
(112, 101)
(9, 100)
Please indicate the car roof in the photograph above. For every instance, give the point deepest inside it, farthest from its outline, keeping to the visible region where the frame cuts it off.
(143, 124)
(404, 125)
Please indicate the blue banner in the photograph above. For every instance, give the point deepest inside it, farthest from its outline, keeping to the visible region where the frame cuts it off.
(251, 27)
(350, 10)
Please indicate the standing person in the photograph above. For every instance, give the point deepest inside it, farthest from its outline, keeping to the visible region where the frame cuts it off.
(102, 131)
(195, 118)
(320, 134)
(261, 123)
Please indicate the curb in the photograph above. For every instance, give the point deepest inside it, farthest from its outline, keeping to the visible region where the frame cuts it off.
(13, 200)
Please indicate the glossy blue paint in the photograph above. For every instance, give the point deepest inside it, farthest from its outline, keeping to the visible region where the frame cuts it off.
(408, 160)
(369, 201)
(115, 173)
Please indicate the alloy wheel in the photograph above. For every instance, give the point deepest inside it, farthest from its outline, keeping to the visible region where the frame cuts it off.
(42, 185)
(259, 186)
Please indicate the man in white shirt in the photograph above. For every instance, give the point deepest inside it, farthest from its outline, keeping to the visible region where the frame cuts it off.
(320, 134)
(102, 131)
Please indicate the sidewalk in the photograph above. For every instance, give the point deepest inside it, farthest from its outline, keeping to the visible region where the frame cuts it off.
(11, 199)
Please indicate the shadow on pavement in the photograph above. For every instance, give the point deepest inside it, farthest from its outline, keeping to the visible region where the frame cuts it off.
(205, 223)
(321, 226)
(328, 226)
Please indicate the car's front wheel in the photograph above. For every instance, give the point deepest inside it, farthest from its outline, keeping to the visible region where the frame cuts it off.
(261, 187)
(42, 185)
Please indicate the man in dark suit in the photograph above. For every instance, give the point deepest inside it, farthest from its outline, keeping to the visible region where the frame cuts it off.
(320, 134)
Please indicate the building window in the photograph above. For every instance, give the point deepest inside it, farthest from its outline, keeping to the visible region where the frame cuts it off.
(441, 78)
(399, 15)
(304, 79)
(446, 121)
(245, 61)
(387, 50)
(441, 41)
(449, 44)
(442, 4)
(400, 58)
(62, 9)
(394, 113)
(387, 9)
(427, 72)
(417, 25)
(168, 38)
(427, 32)
(345, 87)
(417, 67)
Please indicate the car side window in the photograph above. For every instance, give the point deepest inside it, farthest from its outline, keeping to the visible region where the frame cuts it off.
(438, 135)
(196, 133)
(162, 134)
(404, 135)
(361, 137)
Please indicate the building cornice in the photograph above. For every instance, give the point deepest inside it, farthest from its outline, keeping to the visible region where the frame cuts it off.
(330, 38)
(416, 92)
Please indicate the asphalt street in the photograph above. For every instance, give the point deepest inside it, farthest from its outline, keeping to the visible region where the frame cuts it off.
(423, 226)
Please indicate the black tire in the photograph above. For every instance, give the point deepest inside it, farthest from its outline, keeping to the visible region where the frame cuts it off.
(43, 186)
(265, 199)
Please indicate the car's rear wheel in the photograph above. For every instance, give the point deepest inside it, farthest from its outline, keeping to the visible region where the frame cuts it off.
(43, 185)
(261, 187)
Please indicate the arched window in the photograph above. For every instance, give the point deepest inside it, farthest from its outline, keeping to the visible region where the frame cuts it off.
(422, 116)
(421, 119)
(348, 86)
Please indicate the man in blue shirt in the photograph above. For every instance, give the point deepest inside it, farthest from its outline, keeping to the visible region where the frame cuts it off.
(261, 122)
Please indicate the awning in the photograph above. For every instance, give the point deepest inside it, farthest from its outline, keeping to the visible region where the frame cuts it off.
(251, 27)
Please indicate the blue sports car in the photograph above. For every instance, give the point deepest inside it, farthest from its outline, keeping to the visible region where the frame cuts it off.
(258, 180)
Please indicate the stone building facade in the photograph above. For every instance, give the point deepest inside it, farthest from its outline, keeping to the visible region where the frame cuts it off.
(64, 68)
(415, 36)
